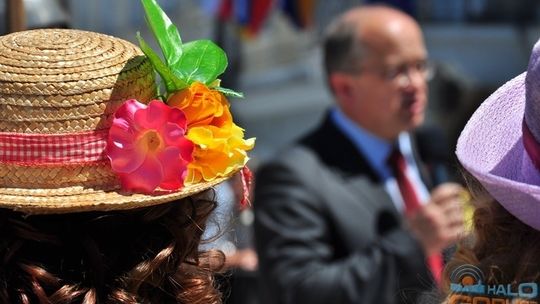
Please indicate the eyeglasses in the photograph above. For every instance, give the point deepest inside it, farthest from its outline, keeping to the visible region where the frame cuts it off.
(401, 74)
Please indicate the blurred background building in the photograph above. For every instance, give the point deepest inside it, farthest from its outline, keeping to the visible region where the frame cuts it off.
(274, 56)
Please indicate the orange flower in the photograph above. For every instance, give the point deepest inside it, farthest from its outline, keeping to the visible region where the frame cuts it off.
(202, 106)
(220, 147)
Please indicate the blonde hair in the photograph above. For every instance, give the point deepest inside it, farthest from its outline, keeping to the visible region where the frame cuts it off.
(505, 249)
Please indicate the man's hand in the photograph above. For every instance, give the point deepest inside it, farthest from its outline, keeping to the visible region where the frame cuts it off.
(245, 259)
(439, 223)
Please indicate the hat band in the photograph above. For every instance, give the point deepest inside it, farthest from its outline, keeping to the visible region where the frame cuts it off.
(531, 145)
(53, 149)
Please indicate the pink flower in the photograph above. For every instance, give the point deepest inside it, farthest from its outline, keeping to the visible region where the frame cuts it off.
(147, 146)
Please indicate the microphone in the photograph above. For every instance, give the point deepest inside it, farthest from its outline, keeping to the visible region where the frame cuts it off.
(434, 151)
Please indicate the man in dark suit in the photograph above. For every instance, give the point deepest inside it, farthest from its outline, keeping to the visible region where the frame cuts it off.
(335, 220)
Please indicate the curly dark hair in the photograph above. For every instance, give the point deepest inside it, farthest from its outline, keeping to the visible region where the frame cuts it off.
(146, 255)
(505, 249)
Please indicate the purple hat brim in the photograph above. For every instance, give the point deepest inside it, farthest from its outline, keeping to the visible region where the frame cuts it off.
(491, 148)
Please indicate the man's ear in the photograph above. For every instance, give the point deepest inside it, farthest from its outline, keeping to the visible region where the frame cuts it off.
(342, 87)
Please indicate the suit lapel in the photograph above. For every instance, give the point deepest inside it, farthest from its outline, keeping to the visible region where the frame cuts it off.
(336, 151)
(340, 155)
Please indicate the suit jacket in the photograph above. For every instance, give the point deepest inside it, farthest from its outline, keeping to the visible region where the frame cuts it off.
(327, 231)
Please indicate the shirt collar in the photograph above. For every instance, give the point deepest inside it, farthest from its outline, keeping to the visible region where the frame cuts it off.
(375, 149)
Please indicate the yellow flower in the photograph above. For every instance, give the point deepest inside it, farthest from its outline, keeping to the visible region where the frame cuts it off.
(220, 147)
(218, 152)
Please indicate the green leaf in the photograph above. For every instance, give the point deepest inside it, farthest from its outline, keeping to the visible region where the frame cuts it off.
(164, 30)
(172, 83)
(201, 60)
(229, 92)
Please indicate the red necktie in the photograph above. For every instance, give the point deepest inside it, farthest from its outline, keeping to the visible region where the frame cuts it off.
(412, 203)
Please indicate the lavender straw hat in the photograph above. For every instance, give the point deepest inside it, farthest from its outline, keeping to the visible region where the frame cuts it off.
(500, 145)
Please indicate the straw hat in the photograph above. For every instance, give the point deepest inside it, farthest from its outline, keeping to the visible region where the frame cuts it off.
(500, 145)
(58, 92)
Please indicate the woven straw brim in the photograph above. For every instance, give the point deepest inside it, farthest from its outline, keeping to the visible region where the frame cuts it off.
(78, 199)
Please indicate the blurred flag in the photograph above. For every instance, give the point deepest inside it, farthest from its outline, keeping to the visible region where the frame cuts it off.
(242, 11)
(306, 12)
(250, 15)
(210, 7)
(260, 10)
(225, 12)
(301, 12)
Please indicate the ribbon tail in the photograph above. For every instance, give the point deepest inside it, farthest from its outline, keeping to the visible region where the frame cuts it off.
(247, 179)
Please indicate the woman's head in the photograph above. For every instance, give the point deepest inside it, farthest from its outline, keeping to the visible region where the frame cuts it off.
(82, 128)
(500, 151)
(144, 255)
(63, 94)
(503, 247)
(500, 145)
(98, 200)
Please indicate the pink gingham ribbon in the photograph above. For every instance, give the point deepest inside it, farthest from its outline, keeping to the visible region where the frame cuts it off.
(72, 148)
